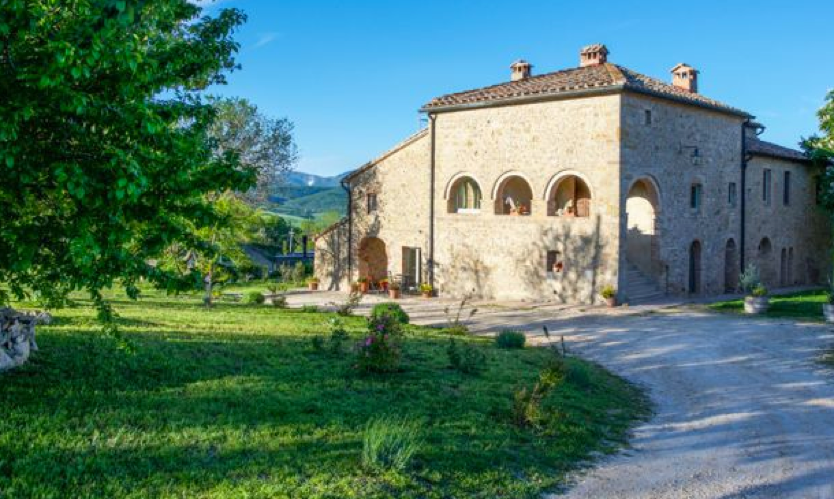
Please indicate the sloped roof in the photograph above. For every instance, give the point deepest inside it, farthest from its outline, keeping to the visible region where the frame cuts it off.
(759, 147)
(590, 79)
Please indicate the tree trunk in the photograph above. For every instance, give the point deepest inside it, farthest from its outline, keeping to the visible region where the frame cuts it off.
(209, 281)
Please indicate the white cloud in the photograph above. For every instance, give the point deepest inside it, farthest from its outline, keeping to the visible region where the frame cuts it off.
(265, 39)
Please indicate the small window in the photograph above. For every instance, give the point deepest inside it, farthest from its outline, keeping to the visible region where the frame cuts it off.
(732, 194)
(786, 189)
(372, 203)
(647, 117)
(766, 186)
(554, 262)
(695, 195)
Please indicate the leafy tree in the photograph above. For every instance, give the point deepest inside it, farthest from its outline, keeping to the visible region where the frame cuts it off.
(821, 150)
(105, 154)
(263, 144)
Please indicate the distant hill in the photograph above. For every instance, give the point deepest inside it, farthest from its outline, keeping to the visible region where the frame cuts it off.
(308, 195)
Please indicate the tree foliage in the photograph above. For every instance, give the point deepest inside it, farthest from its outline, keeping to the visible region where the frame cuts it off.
(821, 150)
(105, 154)
(263, 144)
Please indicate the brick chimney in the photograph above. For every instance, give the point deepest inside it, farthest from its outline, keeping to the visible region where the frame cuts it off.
(685, 77)
(593, 55)
(521, 70)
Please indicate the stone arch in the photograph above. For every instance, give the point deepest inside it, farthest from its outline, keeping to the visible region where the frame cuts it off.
(373, 259)
(568, 194)
(513, 195)
(695, 268)
(731, 269)
(463, 195)
(447, 191)
(642, 235)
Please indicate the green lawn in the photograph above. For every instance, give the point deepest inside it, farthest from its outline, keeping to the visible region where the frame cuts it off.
(234, 402)
(806, 305)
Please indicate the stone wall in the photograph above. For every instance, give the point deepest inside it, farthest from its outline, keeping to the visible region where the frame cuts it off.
(674, 148)
(502, 256)
(800, 228)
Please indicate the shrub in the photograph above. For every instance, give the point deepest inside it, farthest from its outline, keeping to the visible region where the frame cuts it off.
(426, 288)
(527, 404)
(380, 350)
(465, 358)
(392, 309)
(510, 339)
(608, 292)
(279, 301)
(759, 291)
(390, 443)
(254, 298)
(749, 279)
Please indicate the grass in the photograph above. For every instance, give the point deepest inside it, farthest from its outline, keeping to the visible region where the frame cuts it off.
(234, 402)
(804, 305)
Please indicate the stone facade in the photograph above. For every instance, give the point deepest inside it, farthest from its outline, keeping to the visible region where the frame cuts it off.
(573, 192)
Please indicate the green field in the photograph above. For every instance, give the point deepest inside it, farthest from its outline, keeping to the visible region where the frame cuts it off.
(805, 305)
(235, 402)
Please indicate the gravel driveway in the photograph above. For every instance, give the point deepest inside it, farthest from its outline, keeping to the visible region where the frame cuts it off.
(742, 407)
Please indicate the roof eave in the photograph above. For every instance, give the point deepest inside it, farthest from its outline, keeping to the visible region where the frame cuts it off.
(783, 157)
(683, 100)
(525, 99)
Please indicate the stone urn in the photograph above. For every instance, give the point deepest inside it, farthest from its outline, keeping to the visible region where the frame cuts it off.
(756, 304)
(828, 312)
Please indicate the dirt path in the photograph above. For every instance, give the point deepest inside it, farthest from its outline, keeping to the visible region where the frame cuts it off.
(742, 408)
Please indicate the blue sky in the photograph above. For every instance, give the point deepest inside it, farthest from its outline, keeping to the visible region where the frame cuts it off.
(352, 75)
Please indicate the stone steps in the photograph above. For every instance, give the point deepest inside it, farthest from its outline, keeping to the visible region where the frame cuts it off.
(640, 288)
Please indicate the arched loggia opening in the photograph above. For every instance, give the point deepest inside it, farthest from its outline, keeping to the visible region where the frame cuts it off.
(513, 197)
(642, 238)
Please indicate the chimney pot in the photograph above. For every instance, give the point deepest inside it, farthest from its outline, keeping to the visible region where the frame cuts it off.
(685, 77)
(521, 70)
(593, 55)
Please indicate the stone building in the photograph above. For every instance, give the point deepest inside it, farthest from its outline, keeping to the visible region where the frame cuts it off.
(551, 187)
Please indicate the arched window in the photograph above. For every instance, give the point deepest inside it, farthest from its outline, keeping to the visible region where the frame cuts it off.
(514, 197)
(465, 196)
(570, 197)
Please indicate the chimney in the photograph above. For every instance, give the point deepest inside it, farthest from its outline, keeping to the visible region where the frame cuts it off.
(521, 70)
(685, 77)
(593, 55)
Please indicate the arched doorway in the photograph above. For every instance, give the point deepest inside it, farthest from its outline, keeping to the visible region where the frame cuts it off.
(642, 244)
(373, 259)
(730, 267)
(695, 268)
(766, 263)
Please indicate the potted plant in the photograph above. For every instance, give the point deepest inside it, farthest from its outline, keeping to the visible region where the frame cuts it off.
(757, 302)
(354, 287)
(394, 291)
(313, 283)
(750, 282)
(364, 284)
(426, 290)
(828, 306)
(610, 295)
(383, 284)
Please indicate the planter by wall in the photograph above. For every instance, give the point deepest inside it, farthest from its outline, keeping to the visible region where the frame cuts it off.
(313, 286)
(394, 294)
(426, 294)
(363, 287)
(828, 312)
(611, 302)
(756, 304)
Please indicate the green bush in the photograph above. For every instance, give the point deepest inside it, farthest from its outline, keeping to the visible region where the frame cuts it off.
(254, 298)
(309, 309)
(380, 350)
(389, 443)
(393, 309)
(510, 339)
(465, 358)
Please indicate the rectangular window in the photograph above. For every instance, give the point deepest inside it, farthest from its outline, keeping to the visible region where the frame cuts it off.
(372, 206)
(554, 262)
(786, 189)
(647, 117)
(695, 195)
(766, 186)
(732, 195)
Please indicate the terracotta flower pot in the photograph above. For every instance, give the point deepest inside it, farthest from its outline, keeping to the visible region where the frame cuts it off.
(611, 302)
(426, 294)
(394, 294)
(363, 287)
(756, 304)
(313, 286)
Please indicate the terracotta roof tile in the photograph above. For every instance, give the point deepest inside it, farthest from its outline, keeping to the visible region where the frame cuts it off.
(764, 148)
(599, 77)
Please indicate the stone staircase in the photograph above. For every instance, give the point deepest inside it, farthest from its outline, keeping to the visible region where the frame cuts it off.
(640, 289)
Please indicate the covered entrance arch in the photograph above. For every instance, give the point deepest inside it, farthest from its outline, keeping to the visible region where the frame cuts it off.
(642, 243)
(373, 259)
